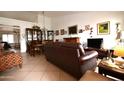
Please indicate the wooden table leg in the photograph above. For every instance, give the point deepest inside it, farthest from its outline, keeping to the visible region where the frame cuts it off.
(20, 65)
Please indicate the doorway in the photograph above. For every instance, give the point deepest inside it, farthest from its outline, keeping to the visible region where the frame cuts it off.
(11, 35)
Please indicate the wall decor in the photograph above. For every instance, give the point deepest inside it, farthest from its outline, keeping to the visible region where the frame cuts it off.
(103, 28)
(80, 31)
(65, 32)
(117, 27)
(73, 29)
(91, 31)
(57, 32)
(87, 27)
(50, 35)
(62, 31)
(118, 32)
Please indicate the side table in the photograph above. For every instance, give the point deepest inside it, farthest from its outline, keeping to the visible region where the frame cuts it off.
(104, 67)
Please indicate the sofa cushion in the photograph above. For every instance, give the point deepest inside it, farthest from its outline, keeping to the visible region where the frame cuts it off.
(75, 46)
(6, 45)
(68, 45)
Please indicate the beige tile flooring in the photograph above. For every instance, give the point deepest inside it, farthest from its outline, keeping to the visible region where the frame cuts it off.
(35, 69)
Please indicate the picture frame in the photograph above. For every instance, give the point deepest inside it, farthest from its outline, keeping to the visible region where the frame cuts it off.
(50, 35)
(103, 28)
(80, 31)
(65, 32)
(87, 27)
(57, 32)
(62, 31)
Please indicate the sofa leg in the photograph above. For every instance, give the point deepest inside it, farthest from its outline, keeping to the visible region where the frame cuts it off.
(20, 65)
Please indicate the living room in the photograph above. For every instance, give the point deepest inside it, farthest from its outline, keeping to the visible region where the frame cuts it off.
(85, 26)
(83, 21)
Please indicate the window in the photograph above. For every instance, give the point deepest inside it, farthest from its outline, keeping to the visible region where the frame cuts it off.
(8, 38)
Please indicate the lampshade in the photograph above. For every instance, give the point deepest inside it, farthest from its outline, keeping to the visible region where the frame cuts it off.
(119, 51)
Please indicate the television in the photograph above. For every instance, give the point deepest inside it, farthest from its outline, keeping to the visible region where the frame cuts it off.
(94, 42)
(72, 29)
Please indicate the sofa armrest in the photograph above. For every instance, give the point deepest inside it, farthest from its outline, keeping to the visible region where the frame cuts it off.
(88, 55)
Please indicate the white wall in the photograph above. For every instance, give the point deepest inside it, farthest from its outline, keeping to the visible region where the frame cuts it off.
(89, 18)
(46, 22)
(62, 22)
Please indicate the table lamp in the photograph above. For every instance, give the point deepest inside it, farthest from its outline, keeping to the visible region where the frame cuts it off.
(119, 51)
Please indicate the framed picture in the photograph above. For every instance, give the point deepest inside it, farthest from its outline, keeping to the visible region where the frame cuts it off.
(87, 27)
(65, 32)
(80, 31)
(50, 35)
(57, 32)
(62, 31)
(103, 28)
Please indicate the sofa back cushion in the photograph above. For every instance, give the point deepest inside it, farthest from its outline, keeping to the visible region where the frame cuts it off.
(68, 45)
(75, 46)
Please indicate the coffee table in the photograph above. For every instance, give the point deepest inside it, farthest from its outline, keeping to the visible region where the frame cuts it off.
(107, 68)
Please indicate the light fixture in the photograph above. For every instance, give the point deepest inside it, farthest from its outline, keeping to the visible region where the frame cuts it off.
(119, 51)
(43, 20)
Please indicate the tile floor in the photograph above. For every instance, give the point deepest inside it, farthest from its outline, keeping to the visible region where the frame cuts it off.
(35, 69)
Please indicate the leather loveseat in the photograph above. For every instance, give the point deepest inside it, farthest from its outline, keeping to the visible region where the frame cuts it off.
(71, 57)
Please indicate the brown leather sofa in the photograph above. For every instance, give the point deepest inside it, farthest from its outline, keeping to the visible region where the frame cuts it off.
(71, 57)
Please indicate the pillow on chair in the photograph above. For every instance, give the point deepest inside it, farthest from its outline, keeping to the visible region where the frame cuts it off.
(6, 46)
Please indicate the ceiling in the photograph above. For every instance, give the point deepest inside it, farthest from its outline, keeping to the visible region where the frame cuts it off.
(31, 16)
(55, 13)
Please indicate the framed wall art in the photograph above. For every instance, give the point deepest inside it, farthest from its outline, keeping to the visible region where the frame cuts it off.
(103, 28)
(57, 32)
(62, 31)
(80, 31)
(87, 27)
(65, 32)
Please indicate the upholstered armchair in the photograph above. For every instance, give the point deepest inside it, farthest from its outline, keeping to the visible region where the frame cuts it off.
(9, 60)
